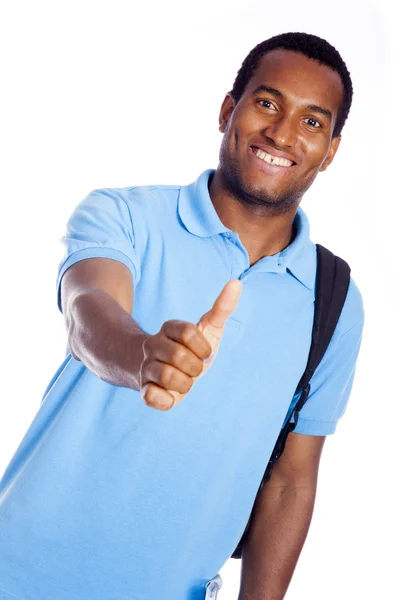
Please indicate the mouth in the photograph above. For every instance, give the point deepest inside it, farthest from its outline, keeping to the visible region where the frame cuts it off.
(276, 161)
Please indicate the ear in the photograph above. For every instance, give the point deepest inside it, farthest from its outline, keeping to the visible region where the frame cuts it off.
(226, 110)
(331, 152)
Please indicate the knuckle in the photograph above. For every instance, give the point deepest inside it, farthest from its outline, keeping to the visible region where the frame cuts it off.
(167, 376)
(178, 356)
(172, 379)
(196, 368)
(186, 385)
(189, 332)
(169, 325)
(164, 327)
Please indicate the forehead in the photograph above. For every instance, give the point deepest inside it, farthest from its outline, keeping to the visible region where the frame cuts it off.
(299, 78)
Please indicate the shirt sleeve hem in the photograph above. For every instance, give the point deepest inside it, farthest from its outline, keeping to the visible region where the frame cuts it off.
(315, 427)
(92, 252)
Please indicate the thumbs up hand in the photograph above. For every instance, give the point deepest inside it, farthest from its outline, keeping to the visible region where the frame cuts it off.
(212, 323)
(181, 352)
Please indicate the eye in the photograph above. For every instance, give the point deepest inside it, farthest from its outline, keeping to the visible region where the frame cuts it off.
(266, 104)
(313, 123)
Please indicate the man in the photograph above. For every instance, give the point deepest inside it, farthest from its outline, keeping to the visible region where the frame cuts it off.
(138, 474)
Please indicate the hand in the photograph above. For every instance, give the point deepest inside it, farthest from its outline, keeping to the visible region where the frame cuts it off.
(181, 352)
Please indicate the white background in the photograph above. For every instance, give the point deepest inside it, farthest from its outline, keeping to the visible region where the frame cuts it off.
(101, 94)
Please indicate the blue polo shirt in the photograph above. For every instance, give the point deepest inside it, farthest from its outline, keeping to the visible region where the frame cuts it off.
(109, 499)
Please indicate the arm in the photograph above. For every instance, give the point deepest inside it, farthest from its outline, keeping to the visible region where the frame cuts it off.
(283, 509)
(95, 286)
(281, 518)
(97, 301)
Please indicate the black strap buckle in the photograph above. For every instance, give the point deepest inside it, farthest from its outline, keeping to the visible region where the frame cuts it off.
(302, 400)
(281, 441)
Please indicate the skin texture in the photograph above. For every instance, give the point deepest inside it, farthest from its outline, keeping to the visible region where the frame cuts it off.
(259, 202)
(97, 300)
(282, 515)
(180, 353)
(256, 200)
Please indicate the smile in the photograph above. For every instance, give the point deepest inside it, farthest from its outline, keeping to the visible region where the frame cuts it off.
(272, 160)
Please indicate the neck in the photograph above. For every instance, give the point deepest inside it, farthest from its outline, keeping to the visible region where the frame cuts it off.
(262, 234)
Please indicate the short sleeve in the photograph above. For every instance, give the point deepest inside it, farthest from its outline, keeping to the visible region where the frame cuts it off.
(100, 227)
(331, 384)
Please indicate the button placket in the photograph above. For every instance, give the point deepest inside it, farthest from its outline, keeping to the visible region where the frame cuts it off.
(235, 254)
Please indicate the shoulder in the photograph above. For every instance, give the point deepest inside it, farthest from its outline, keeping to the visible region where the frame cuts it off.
(145, 204)
(353, 309)
(345, 343)
(352, 315)
(138, 195)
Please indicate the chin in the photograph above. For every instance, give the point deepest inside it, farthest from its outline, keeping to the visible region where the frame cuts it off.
(247, 188)
(264, 193)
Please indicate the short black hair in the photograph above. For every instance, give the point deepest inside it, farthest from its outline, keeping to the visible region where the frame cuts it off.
(311, 46)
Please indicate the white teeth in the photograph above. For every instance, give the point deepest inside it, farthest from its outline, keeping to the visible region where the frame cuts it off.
(272, 160)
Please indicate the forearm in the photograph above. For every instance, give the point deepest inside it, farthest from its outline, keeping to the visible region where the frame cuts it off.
(105, 338)
(274, 543)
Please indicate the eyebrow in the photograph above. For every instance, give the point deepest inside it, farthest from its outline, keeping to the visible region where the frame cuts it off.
(270, 90)
(278, 94)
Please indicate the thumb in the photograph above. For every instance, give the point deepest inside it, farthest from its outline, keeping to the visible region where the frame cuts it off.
(223, 307)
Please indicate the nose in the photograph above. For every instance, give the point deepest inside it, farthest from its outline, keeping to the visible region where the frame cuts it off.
(281, 131)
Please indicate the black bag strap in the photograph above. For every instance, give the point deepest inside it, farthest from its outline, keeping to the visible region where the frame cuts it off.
(332, 282)
(331, 286)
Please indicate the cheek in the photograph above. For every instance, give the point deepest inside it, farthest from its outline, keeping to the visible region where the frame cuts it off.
(315, 155)
(231, 140)
(246, 124)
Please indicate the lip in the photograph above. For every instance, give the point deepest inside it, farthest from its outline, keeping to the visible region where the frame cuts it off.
(273, 152)
(266, 168)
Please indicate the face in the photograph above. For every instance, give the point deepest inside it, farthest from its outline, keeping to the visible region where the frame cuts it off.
(279, 134)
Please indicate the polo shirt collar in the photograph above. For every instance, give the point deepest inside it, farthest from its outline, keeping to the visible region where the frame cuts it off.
(196, 210)
(200, 218)
(300, 256)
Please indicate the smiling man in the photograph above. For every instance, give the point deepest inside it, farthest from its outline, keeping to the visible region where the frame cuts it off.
(189, 313)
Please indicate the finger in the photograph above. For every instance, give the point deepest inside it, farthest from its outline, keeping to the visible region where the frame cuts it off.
(224, 305)
(167, 377)
(189, 335)
(178, 356)
(158, 398)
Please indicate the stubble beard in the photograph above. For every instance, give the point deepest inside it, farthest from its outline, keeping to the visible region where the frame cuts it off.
(259, 200)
